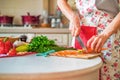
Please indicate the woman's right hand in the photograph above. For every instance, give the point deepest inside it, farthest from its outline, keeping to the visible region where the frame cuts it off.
(74, 25)
(71, 15)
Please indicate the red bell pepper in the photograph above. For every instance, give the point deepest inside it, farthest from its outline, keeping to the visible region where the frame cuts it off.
(2, 47)
(5, 46)
(8, 46)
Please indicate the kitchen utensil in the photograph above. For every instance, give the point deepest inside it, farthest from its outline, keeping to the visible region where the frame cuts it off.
(6, 20)
(45, 54)
(12, 39)
(30, 19)
(81, 43)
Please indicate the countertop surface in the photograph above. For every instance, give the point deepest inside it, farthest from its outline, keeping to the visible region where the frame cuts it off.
(34, 30)
(51, 64)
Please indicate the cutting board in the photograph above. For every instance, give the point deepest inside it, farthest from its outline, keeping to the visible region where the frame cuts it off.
(75, 54)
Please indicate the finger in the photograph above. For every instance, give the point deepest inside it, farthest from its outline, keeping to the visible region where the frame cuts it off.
(90, 41)
(73, 31)
(93, 44)
(77, 31)
(98, 46)
(70, 26)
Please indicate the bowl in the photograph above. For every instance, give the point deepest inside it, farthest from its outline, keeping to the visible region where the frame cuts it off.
(11, 39)
(6, 20)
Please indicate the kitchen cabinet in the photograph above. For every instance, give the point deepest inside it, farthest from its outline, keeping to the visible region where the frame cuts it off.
(50, 6)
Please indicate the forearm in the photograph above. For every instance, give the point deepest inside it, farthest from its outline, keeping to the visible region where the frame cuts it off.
(66, 9)
(113, 26)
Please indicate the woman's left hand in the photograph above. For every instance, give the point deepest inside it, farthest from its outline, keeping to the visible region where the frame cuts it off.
(96, 42)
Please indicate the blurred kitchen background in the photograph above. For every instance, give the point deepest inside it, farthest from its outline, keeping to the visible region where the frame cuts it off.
(43, 12)
(17, 15)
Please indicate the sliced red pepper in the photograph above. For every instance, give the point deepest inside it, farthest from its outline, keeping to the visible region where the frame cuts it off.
(2, 47)
(5, 46)
(12, 52)
(8, 46)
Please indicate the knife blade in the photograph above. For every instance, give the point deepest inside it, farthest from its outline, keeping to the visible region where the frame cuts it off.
(81, 43)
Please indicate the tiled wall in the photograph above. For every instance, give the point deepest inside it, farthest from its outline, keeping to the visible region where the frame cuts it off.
(17, 8)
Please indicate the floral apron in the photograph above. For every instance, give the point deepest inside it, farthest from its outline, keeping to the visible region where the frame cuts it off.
(91, 16)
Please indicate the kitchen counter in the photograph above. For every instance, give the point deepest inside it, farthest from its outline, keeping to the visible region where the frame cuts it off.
(34, 67)
(34, 30)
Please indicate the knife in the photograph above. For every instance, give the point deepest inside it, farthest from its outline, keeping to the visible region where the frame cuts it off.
(81, 43)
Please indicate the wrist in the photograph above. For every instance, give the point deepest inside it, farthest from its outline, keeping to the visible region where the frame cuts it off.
(107, 34)
(74, 16)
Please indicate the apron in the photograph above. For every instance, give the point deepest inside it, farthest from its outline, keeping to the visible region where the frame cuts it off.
(98, 20)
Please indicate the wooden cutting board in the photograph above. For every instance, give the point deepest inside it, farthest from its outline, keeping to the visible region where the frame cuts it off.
(75, 54)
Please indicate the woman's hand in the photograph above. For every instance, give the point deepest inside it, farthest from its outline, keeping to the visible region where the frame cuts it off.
(74, 26)
(96, 42)
(71, 16)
